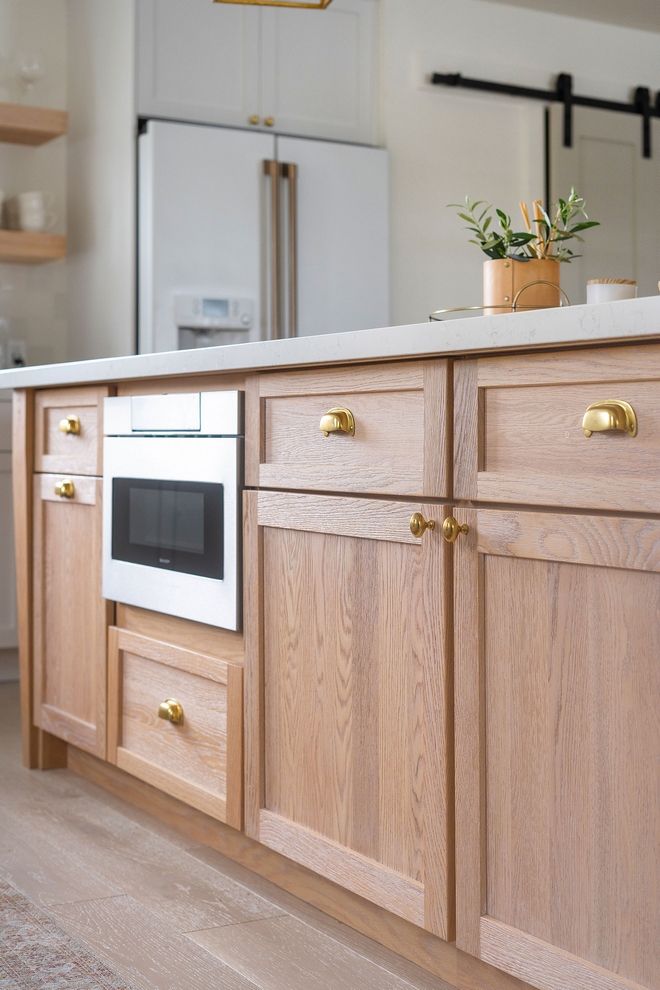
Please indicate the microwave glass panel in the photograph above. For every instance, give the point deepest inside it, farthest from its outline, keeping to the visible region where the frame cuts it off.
(176, 525)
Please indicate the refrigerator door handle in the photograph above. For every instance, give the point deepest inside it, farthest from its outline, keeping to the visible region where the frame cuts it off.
(272, 171)
(290, 172)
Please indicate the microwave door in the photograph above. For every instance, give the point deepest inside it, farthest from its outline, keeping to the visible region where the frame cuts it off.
(176, 525)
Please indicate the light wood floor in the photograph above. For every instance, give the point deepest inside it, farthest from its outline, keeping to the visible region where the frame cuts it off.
(164, 912)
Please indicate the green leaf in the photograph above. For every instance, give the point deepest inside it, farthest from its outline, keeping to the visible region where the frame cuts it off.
(585, 226)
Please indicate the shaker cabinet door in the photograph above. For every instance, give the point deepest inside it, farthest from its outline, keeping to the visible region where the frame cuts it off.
(305, 72)
(70, 616)
(318, 70)
(348, 697)
(197, 61)
(557, 682)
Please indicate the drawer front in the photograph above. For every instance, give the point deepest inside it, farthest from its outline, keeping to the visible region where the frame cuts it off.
(69, 430)
(394, 441)
(519, 434)
(197, 759)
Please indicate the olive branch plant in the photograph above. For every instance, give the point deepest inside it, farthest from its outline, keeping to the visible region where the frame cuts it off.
(545, 242)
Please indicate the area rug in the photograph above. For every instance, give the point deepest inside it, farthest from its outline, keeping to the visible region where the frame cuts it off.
(36, 954)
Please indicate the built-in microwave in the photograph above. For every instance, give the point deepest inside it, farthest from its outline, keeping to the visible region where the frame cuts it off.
(172, 477)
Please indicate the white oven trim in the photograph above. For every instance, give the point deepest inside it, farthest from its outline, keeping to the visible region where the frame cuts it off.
(198, 459)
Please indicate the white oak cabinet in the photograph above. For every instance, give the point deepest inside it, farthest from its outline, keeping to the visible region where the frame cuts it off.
(465, 738)
(347, 626)
(8, 630)
(558, 746)
(302, 72)
(70, 617)
(348, 696)
(557, 681)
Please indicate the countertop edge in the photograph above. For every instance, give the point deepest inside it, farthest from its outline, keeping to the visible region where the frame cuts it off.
(629, 321)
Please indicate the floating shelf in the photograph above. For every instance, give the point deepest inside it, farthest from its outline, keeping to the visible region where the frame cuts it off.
(30, 125)
(22, 248)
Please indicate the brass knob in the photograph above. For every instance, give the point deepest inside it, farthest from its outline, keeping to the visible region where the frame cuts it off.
(71, 424)
(419, 525)
(171, 711)
(339, 420)
(254, 119)
(269, 121)
(452, 529)
(64, 488)
(610, 414)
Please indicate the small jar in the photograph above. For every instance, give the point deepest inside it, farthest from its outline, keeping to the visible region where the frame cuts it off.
(610, 289)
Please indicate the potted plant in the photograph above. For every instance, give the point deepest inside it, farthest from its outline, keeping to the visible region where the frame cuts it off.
(529, 258)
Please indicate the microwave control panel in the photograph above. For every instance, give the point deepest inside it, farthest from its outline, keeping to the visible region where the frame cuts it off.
(213, 313)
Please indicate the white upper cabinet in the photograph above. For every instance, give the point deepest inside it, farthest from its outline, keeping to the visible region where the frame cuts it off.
(317, 70)
(197, 60)
(307, 72)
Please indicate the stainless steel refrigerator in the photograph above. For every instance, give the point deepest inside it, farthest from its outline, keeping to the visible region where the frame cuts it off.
(251, 236)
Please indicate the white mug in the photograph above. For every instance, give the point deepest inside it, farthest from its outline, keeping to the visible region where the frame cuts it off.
(610, 289)
(30, 211)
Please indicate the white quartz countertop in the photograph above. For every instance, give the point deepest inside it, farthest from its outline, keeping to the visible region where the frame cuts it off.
(628, 320)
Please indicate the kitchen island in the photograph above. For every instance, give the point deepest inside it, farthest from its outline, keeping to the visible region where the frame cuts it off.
(439, 720)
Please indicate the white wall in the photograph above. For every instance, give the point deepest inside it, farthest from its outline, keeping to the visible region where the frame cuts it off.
(33, 298)
(445, 144)
(101, 178)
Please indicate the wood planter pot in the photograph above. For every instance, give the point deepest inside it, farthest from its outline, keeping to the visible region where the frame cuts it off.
(504, 278)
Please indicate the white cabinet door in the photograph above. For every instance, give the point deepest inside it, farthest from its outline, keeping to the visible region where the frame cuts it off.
(8, 629)
(318, 70)
(197, 60)
(201, 230)
(312, 72)
(606, 156)
(342, 235)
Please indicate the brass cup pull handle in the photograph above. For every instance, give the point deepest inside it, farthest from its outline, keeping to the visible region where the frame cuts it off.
(451, 529)
(70, 424)
(610, 414)
(171, 711)
(419, 525)
(338, 420)
(65, 488)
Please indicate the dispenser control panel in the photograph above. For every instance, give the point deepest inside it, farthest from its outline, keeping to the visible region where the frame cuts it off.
(213, 312)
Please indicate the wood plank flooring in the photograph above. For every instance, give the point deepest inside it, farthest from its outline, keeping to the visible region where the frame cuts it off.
(164, 912)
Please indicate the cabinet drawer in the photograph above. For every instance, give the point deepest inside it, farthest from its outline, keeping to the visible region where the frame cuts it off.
(79, 448)
(519, 436)
(198, 760)
(399, 445)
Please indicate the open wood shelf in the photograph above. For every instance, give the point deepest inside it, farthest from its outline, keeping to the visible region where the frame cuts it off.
(23, 248)
(30, 125)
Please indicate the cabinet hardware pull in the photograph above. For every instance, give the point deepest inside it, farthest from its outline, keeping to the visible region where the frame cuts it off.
(269, 121)
(610, 414)
(418, 524)
(339, 420)
(254, 119)
(64, 488)
(451, 529)
(171, 711)
(71, 424)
